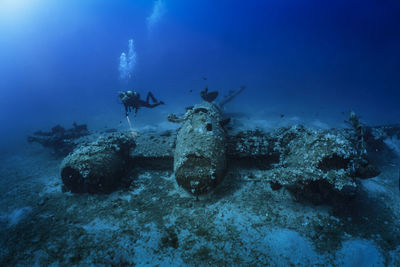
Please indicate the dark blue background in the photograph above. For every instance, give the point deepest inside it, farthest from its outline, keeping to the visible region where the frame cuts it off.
(59, 60)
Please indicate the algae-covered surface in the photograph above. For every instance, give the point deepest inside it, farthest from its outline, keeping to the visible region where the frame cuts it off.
(245, 221)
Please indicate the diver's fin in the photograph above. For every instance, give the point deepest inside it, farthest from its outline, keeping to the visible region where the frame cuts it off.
(208, 96)
(211, 96)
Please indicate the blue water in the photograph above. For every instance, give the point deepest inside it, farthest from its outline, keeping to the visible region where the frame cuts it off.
(59, 59)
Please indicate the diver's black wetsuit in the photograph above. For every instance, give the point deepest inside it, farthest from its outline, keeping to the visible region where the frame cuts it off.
(132, 101)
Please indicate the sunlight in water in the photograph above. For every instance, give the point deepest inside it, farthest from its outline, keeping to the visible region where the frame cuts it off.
(15, 10)
(133, 132)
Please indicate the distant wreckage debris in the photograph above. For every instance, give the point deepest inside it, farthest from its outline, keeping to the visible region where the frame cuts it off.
(61, 140)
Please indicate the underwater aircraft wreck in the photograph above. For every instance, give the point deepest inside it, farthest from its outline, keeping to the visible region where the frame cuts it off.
(314, 164)
(200, 159)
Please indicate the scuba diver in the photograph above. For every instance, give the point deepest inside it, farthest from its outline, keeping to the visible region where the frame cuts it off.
(131, 100)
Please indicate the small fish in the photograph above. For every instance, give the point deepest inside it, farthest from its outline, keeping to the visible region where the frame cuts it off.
(282, 115)
(190, 91)
(205, 78)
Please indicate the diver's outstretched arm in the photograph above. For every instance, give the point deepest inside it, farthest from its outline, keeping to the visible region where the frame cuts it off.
(231, 96)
